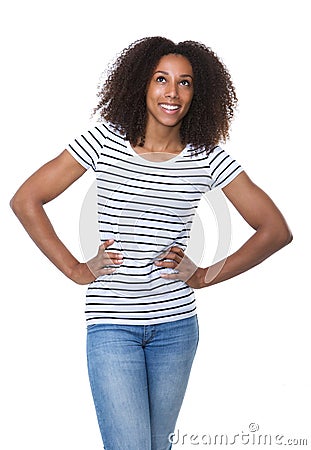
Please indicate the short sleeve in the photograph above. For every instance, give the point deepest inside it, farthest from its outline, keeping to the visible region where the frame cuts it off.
(224, 168)
(86, 148)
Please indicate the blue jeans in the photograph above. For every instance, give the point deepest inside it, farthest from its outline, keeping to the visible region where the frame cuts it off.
(138, 376)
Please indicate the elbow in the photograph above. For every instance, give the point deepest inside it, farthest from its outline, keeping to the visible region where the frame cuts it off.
(276, 236)
(15, 204)
(289, 237)
(20, 205)
(284, 236)
(25, 204)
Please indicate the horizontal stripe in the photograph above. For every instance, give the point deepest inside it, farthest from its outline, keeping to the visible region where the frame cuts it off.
(142, 180)
(136, 311)
(129, 162)
(146, 207)
(145, 318)
(142, 218)
(123, 302)
(119, 191)
(178, 208)
(166, 214)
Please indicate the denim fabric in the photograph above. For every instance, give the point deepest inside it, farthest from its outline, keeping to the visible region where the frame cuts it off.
(138, 376)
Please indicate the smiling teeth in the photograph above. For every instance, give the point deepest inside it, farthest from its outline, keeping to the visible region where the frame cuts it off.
(170, 107)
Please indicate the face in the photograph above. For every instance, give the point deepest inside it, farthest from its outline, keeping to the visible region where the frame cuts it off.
(170, 91)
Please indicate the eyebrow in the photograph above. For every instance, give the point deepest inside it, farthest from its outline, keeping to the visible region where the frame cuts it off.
(166, 73)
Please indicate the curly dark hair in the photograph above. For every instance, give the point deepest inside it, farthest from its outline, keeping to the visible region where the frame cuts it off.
(123, 94)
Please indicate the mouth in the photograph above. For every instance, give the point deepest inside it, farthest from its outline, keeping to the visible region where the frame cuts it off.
(169, 108)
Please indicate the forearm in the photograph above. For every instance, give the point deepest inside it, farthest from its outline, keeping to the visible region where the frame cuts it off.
(37, 224)
(258, 248)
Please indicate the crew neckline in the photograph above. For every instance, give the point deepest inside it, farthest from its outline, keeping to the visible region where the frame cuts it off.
(145, 160)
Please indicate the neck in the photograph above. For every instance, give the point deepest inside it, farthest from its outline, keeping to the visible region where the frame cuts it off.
(163, 139)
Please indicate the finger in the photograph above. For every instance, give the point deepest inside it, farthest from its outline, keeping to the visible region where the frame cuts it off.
(178, 250)
(163, 255)
(106, 244)
(114, 258)
(173, 256)
(172, 253)
(170, 264)
(170, 276)
(110, 257)
(105, 271)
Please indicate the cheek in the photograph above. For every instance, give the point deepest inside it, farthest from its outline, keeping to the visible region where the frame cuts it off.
(189, 100)
(153, 93)
(149, 101)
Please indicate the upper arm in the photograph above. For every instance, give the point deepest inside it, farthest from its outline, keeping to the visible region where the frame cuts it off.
(254, 205)
(50, 180)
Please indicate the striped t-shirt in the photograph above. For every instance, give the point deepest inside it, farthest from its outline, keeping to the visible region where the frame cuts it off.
(146, 207)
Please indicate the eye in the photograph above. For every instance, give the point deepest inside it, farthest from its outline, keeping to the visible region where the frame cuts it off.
(185, 83)
(160, 79)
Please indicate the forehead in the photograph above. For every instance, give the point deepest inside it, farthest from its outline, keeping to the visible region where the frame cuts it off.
(174, 63)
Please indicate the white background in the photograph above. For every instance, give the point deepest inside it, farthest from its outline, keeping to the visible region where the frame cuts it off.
(253, 362)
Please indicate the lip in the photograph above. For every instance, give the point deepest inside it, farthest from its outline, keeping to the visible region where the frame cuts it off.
(170, 108)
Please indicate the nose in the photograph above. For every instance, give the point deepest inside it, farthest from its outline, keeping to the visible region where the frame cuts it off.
(171, 91)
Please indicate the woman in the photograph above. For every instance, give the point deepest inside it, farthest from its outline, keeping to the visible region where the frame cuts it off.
(164, 109)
